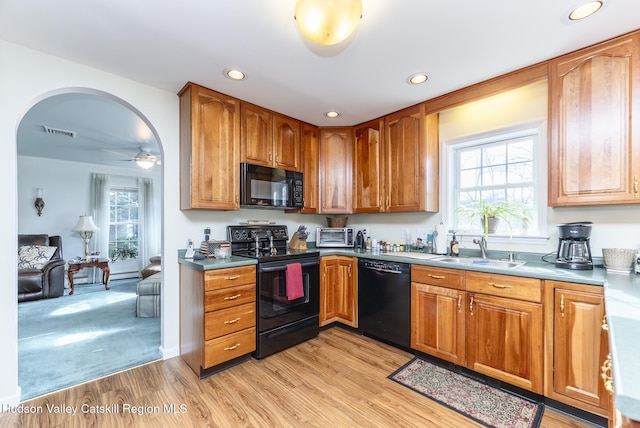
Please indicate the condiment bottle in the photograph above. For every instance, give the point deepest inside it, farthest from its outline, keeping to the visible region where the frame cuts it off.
(455, 248)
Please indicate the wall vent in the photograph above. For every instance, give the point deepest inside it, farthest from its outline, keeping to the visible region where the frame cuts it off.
(57, 131)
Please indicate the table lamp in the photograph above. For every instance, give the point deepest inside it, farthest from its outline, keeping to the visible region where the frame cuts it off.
(86, 227)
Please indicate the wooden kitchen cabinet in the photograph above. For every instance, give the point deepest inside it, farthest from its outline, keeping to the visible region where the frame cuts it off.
(505, 329)
(268, 138)
(217, 317)
(438, 312)
(336, 188)
(339, 290)
(594, 142)
(577, 345)
(209, 149)
(310, 150)
(411, 160)
(368, 167)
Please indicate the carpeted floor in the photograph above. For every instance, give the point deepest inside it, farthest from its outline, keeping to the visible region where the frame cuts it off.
(69, 340)
(485, 404)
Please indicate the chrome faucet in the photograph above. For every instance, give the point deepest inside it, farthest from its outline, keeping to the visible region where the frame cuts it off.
(483, 246)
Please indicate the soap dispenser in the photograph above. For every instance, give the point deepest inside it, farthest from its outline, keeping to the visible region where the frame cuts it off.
(455, 248)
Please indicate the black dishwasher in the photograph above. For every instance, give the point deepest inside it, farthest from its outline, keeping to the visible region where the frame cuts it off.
(384, 301)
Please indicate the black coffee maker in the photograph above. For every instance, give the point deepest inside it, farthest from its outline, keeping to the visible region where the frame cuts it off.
(574, 251)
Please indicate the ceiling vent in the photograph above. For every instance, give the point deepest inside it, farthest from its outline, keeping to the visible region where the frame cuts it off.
(57, 131)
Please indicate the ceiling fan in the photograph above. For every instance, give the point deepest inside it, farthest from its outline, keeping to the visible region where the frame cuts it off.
(144, 159)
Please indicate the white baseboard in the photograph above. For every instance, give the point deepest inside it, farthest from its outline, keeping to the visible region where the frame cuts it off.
(170, 352)
(10, 401)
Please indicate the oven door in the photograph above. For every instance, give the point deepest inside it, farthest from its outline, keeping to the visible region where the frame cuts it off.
(274, 309)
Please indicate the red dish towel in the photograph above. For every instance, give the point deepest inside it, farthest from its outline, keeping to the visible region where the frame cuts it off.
(294, 281)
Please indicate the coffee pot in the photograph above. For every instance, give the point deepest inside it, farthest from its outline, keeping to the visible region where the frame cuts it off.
(574, 251)
(360, 244)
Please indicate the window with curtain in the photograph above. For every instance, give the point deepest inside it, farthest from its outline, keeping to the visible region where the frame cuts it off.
(123, 223)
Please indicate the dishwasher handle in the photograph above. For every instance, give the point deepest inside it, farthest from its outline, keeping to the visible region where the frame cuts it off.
(385, 270)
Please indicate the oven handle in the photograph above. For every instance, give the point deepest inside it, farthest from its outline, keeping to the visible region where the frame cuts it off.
(284, 266)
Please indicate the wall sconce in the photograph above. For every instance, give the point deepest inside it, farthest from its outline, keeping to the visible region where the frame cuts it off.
(328, 22)
(39, 203)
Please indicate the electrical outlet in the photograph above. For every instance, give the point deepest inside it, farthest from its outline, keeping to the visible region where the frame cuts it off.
(405, 233)
(365, 232)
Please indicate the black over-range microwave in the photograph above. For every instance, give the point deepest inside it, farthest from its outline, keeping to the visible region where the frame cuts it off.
(265, 187)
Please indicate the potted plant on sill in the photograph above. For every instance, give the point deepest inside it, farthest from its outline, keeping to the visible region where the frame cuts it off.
(490, 212)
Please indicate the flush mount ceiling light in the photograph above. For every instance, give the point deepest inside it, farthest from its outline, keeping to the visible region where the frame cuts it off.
(327, 22)
(417, 78)
(332, 114)
(234, 74)
(585, 10)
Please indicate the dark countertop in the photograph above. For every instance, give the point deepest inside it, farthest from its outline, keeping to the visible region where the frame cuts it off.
(622, 302)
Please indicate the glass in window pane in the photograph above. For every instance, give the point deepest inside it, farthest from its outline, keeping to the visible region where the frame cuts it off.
(494, 155)
(469, 178)
(494, 176)
(469, 158)
(521, 172)
(521, 151)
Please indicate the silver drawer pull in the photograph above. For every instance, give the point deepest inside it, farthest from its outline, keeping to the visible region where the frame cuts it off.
(232, 321)
(231, 348)
(232, 297)
(493, 284)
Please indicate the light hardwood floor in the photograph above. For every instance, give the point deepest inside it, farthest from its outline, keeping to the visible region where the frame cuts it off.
(338, 379)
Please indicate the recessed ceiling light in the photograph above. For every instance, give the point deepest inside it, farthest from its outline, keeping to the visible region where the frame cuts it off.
(585, 10)
(332, 114)
(417, 78)
(234, 74)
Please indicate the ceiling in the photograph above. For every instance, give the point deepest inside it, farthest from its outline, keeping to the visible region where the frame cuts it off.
(167, 43)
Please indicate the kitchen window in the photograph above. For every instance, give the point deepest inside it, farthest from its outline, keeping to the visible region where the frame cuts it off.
(497, 166)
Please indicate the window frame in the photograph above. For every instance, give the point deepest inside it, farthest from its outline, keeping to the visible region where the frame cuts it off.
(129, 189)
(538, 235)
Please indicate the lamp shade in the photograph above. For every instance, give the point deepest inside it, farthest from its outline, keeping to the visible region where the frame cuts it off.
(328, 22)
(85, 224)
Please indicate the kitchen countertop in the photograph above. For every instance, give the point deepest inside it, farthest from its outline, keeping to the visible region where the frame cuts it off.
(621, 293)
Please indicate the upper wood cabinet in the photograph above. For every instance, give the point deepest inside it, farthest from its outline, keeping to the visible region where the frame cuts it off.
(335, 171)
(209, 149)
(368, 170)
(594, 142)
(411, 160)
(310, 155)
(577, 345)
(269, 138)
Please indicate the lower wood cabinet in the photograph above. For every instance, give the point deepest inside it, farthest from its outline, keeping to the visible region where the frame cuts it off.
(577, 346)
(217, 316)
(339, 290)
(438, 312)
(495, 327)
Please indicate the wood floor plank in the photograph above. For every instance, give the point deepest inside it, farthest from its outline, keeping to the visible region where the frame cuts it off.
(338, 379)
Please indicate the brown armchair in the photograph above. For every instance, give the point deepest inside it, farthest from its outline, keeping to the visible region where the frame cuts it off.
(34, 284)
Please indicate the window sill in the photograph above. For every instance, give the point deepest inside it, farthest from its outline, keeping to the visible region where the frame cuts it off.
(504, 239)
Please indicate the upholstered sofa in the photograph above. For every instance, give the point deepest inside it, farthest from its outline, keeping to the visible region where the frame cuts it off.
(148, 296)
(40, 267)
(154, 266)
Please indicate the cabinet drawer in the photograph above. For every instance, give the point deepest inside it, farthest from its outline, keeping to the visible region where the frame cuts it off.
(513, 287)
(225, 321)
(451, 278)
(228, 347)
(228, 297)
(214, 279)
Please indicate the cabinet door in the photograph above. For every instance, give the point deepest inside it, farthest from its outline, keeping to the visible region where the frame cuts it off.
(411, 157)
(594, 146)
(256, 137)
(286, 142)
(505, 340)
(310, 148)
(209, 150)
(437, 322)
(580, 345)
(335, 171)
(368, 167)
(339, 290)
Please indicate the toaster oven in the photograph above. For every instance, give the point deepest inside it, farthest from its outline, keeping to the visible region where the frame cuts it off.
(341, 237)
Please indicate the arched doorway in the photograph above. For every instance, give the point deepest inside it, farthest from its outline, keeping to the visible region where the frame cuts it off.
(65, 136)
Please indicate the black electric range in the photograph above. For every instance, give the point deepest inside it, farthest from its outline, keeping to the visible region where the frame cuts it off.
(281, 321)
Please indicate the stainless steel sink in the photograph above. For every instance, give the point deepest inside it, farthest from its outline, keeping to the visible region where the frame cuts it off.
(473, 261)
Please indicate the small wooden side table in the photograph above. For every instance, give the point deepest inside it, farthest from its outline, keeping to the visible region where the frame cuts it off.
(75, 267)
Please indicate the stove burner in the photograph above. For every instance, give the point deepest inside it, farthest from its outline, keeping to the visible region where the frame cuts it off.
(263, 242)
